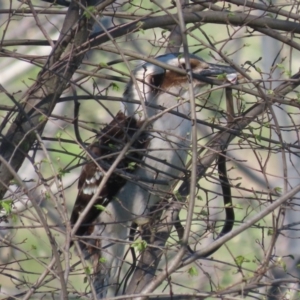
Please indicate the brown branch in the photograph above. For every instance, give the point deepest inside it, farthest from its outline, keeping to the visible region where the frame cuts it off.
(213, 17)
(42, 97)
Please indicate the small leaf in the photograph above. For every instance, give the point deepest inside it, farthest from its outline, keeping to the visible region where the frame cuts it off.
(14, 217)
(87, 270)
(178, 196)
(7, 206)
(258, 137)
(280, 66)
(139, 24)
(100, 207)
(58, 134)
(132, 165)
(62, 172)
(103, 65)
(140, 245)
(278, 189)
(193, 271)
(222, 77)
(14, 182)
(42, 118)
(288, 73)
(115, 87)
(240, 260)
(102, 259)
(47, 195)
(89, 11)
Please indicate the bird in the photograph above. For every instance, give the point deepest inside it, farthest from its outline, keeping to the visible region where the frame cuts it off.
(155, 99)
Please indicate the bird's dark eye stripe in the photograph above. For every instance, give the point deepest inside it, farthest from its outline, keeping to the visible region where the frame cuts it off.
(192, 64)
(157, 79)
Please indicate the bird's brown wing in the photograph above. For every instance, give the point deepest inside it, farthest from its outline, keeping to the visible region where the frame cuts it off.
(109, 142)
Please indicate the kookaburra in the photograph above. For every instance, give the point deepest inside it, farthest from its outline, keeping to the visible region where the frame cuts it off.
(155, 159)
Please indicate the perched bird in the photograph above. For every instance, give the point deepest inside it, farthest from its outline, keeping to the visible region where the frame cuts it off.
(157, 98)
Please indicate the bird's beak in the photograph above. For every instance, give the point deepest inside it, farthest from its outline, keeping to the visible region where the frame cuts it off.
(214, 70)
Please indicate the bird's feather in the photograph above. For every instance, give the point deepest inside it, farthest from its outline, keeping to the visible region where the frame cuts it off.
(104, 150)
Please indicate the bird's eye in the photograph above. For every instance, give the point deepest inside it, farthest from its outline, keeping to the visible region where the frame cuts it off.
(157, 79)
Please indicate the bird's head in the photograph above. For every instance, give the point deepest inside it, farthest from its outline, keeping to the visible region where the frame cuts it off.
(158, 85)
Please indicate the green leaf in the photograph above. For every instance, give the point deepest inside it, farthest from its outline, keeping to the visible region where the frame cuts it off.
(89, 11)
(115, 87)
(7, 206)
(42, 118)
(258, 137)
(14, 217)
(221, 77)
(58, 134)
(140, 245)
(131, 165)
(270, 232)
(87, 270)
(102, 259)
(193, 271)
(62, 172)
(139, 24)
(239, 260)
(103, 65)
(14, 182)
(47, 195)
(238, 206)
(278, 189)
(280, 66)
(178, 196)
(288, 73)
(100, 207)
